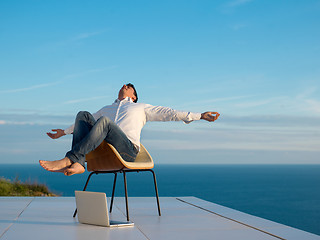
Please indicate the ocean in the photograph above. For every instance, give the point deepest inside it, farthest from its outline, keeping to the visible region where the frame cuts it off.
(288, 194)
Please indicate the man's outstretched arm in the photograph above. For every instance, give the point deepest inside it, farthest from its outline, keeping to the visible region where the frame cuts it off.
(210, 116)
(59, 133)
(159, 113)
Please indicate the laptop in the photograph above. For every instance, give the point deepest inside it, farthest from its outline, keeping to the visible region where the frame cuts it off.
(93, 209)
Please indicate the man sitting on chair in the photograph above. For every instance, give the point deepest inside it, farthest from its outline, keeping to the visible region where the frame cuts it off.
(119, 124)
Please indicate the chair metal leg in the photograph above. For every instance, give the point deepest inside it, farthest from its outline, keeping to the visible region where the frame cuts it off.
(126, 193)
(125, 189)
(156, 190)
(85, 187)
(113, 189)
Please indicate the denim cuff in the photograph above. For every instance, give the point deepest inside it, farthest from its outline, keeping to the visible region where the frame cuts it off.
(73, 158)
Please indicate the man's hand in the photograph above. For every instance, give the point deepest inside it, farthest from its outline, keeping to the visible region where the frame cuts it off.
(59, 133)
(210, 116)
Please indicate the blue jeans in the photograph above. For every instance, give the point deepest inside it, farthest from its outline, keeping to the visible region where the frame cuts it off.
(88, 134)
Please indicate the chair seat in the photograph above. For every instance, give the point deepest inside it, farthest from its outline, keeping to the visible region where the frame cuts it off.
(106, 158)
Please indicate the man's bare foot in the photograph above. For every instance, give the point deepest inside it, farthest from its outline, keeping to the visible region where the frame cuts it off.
(75, 168)
(56, 166)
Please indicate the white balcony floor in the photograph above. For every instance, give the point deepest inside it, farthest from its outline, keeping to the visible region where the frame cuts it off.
(31, 218)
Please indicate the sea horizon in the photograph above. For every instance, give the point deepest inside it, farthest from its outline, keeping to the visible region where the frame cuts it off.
(284, 193)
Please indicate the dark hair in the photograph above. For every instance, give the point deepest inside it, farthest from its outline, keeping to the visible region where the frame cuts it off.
(135, 92)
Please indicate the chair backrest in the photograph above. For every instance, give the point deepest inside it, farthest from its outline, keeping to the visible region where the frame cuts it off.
(106, 158)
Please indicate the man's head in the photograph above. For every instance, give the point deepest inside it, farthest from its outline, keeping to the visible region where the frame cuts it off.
(128, 90)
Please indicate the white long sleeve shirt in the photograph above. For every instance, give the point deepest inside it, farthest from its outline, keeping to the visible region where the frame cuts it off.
(131, 117)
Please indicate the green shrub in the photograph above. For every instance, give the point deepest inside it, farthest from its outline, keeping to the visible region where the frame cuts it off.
(17, 188)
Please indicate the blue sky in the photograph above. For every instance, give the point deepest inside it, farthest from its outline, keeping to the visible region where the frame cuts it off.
(256, 62)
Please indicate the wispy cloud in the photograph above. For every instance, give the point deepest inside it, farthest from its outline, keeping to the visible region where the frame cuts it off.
(237, 3)
(84, 99)
(313, 105)
(225, 99)
(238, 138)
(66, 77)
(306, 101)
(15, 123)
(230, 7)
(35, 119)
(259, 103)
(212, 101)
(81, 36)
(70, 40)
(238, 26)
(270, 122)
(30, 87)
(94, 70)
(308, 92)
(20, 111)
(87, 35)
(245, 145)
(302, 104)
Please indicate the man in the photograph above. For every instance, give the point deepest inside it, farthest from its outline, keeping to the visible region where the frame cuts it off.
(119, 124)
